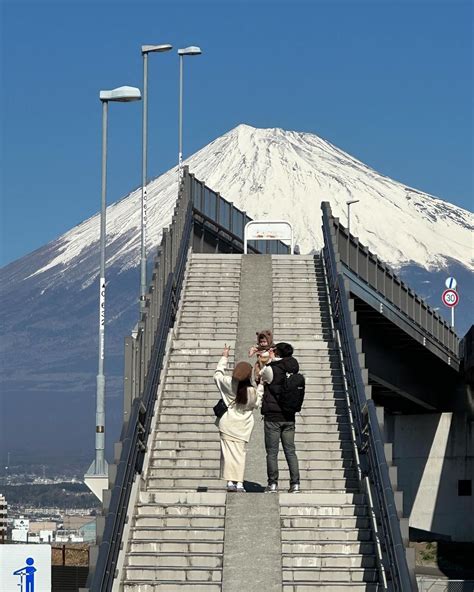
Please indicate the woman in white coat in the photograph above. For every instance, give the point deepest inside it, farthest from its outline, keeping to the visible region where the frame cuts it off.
(236, 425)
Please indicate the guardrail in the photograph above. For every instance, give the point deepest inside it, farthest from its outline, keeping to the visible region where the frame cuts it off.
(370, 270)
(143, 364)
(373, 464)
(227, 221)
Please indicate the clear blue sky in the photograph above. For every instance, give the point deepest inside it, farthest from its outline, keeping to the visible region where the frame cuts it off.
(389, 82)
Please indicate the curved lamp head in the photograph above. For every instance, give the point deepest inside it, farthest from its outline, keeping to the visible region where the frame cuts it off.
(352, 201)
(191, 50)
(156, 48)
(122, 94)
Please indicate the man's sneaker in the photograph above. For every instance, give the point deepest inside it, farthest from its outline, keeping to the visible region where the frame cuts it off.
(231, 486)
(272, 488)
(295, 488)
(240, 488)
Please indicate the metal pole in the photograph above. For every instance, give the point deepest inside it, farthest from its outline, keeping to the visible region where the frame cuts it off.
(452, 317)
(348, 232)
(100, 400)
(144, 182)
(180, 148)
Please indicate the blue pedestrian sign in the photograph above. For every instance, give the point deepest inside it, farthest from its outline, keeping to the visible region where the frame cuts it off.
(25, 568)
(27, 576)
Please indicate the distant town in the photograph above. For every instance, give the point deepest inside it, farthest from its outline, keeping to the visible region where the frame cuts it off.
(39, 509)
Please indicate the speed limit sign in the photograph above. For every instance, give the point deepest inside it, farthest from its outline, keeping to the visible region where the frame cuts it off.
(450, 298)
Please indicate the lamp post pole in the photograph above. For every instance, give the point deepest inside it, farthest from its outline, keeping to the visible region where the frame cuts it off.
(96, 477)
(100, 463)
(187, 51)
(180, 125)
(349, 203)
(146, 49)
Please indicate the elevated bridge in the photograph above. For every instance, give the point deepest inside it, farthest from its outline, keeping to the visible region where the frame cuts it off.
(359, 334)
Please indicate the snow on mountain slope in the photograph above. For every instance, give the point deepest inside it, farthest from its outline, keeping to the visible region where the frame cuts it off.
(272, 173)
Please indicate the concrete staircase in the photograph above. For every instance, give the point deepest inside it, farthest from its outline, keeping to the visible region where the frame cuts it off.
(177, 534)
(325, 532)
(177, 537)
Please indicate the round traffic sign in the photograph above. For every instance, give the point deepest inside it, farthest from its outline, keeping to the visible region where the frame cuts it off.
(451, 283)
(450, 298)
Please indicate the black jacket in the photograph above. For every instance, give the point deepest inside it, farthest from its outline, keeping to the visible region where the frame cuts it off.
(271, 410)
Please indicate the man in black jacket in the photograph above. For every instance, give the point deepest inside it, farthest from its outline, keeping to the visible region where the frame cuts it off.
(279, 424)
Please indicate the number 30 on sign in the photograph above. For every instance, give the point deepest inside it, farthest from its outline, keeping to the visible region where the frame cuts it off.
(450, 298)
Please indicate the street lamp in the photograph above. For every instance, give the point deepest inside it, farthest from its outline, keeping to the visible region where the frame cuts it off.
(192, 50)
(146, 49)
(96, 477)
(349, 203)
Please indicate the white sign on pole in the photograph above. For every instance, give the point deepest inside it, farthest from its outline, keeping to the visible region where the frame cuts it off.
(451, 283)
(268, 230)
(25, 568)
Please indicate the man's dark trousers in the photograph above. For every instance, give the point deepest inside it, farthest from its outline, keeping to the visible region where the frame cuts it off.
(274, 432)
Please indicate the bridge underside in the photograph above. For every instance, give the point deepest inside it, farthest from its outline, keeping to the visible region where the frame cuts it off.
(406, 377)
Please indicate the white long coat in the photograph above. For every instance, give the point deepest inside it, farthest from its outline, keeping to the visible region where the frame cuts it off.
(237, 422)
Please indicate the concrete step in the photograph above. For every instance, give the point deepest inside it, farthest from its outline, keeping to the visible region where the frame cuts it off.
(322, 484)
(324, 456)
(183, 500)
(176, 560)
(176, 546)
(158, 454)
(178, 575)
(187, 511)
(190, 436)
(192, 522)
(184, 463)
(307, 535)
(323, 510)
(175, 445)
(310, 500)
(325, 587)
(327, 547)
(317, 473)
(305, 421)
(177, 534)
(326, 522)
(186, 483)
(329, 561)
(184, 472)
(140, 586)
(327, 575)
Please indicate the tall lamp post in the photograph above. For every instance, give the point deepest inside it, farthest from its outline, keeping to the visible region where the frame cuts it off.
(192, 50)
(96, 477)
(146, 49)
(349, 203)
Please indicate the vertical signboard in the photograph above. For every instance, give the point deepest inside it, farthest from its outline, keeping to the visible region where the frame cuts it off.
(25, 568)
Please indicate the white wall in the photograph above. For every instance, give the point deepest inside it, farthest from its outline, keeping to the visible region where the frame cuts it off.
(432, 452)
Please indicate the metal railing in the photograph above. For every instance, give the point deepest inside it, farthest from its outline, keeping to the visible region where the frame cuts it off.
(365, 266)
(370, 445)
(143, 367)
(227, 220)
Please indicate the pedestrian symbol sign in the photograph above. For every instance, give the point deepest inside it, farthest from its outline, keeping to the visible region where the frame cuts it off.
(27, 576)
(25, 568)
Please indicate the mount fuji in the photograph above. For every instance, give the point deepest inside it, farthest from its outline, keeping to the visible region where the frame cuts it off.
(49, 315)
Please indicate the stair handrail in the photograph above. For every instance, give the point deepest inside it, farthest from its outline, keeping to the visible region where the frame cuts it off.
(370, 437)
(170, 266)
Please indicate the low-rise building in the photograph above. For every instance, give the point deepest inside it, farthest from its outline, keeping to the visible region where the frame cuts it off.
(3, 518)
